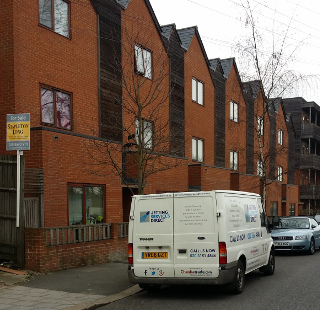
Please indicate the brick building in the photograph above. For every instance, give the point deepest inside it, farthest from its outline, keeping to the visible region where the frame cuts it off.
(83, 84)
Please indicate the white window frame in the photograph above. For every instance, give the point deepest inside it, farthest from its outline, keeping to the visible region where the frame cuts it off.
(197, 91)
(197, 149)
(280, 174)
(260, 125)
(234, 111)
(259, 168)
(147, 134)
(280, 137)
(55, 15)
(234, 160)
(143, 61)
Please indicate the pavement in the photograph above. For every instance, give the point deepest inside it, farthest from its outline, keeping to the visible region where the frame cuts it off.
(79, 288)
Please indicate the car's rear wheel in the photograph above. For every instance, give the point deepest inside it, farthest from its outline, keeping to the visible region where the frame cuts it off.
(312, 247)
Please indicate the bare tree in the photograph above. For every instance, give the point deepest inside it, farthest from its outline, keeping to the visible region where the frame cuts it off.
(145, 150)
(271, 63)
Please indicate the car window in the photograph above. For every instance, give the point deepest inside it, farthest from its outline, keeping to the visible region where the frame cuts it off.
(294, 223)
(313, 222)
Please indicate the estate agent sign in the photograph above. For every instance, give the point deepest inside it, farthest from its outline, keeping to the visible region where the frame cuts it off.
(18, 132)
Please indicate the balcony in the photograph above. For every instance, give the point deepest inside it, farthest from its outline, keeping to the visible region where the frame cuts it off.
(310, 161)
(310, 131)
(309, 192)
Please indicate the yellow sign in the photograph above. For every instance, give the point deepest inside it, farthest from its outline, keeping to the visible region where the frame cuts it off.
(18, 131)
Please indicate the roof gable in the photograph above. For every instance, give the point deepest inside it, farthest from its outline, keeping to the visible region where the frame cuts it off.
(186, 36)
(123, 3)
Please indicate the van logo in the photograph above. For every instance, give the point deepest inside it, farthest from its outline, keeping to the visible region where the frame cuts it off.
(146, 239)
(144, 217)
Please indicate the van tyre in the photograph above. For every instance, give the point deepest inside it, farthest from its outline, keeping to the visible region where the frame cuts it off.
(238, 281)
(312, 247)
(149, 288)
(268, 269)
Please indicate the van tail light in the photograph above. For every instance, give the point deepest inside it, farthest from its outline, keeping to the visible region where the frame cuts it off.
(222, 253)
(130, 254)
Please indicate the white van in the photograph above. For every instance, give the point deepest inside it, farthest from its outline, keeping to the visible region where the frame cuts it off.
(213, 237)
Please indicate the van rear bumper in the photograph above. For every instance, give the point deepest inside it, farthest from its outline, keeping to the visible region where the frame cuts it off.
(226, 275)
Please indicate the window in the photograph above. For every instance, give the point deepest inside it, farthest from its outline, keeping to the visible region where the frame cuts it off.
(143, 61)
(197, 91)
(280, 173)
(274, 208)
(260, 125)
(291, 209)
(197, 149)
(259, 168)
(55, 108)
(54, 14)
(146, 136)
(280, 136)
(234, 111)
(86, 204)
(234, 160)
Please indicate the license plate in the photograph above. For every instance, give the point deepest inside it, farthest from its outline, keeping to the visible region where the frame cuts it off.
(281, 243)
(154, 254)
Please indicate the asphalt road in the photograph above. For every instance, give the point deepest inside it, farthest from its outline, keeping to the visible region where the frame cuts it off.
(295, 285)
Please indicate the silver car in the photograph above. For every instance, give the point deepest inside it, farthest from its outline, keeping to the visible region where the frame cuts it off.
(298, 233)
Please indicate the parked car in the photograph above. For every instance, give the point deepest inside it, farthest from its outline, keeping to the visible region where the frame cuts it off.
(317, 218)
(298, 233)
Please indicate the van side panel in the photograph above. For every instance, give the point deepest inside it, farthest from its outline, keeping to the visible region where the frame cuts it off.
(240, 215)
(196, 247)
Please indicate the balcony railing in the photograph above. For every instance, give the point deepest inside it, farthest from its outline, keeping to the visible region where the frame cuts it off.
(310, 161)
(309, 192)
(310, 131)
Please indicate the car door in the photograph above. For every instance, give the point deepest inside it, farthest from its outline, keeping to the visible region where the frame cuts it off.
(316, 232)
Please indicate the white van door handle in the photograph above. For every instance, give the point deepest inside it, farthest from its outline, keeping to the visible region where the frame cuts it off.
(201, 238)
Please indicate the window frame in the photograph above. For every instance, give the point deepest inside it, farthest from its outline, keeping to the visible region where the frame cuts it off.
(55, 90)
(292, 209)
(234, 111)
(144, 142)
(197, 157)
(145, 71)
(234, 164)
(273, 208)
(280, 137)
(84, 213)
(53, 24)
(280, 174)
(195, 96)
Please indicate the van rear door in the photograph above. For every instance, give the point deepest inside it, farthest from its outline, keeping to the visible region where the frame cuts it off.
(196, 246)
(153, 236)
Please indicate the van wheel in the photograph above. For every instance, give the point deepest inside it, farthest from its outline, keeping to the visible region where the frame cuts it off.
(149, 288)
(268, 269)
(238, 281)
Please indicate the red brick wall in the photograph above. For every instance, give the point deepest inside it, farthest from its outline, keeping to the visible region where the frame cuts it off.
(236, 131)
(199, 120)
(42, 258)
(7, 97)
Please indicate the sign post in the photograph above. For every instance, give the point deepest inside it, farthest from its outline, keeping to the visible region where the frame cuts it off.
(18, 138)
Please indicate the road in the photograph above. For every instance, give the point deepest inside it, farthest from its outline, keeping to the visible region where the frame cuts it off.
(295, 286)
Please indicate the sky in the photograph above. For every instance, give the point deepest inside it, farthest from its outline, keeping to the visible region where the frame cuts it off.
(222, 24)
